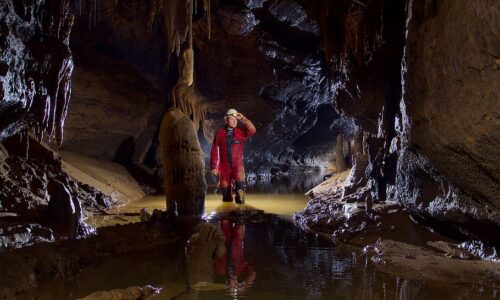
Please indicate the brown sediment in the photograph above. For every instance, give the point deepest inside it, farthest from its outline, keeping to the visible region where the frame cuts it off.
(108, 177)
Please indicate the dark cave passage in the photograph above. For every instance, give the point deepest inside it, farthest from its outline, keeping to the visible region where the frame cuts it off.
(330, 149)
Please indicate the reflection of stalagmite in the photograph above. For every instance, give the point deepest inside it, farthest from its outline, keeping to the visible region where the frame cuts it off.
(183, 163)
(204, 247)
(130, 293)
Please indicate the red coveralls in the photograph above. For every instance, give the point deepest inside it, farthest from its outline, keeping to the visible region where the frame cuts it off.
(220, 161)
(233, 264)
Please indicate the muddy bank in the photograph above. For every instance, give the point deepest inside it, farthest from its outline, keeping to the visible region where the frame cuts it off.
(46, 196)
(39, 201)
(106, 176)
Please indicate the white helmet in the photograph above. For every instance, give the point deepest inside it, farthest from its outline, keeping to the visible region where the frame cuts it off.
(231, 112)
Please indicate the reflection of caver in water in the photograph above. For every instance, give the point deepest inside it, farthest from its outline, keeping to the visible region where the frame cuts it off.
(226, 156)
(233, 264)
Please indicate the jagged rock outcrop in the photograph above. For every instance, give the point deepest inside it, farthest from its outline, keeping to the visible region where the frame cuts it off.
(428, 137)
(35, 66)
(263, 59)
(38, 200)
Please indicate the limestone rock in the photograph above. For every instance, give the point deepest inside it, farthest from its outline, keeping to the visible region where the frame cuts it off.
(448, 169)
(183, 163)
(35, 66)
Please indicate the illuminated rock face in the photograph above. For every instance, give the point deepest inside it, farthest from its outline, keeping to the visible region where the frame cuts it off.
(35, 66)
(425, 99)
(449, 137)
(40, 199)
(264, 59)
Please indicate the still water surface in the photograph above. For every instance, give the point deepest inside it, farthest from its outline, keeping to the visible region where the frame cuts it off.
(271, 259)
(280, 262)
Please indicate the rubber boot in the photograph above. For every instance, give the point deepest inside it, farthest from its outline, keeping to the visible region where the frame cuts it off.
(240, 192)
(226, 195)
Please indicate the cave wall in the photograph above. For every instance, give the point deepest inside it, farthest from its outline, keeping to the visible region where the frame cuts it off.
(448, 165)
(420, 78)
(117, 100)
(364, 44)
(264, 60)
(256, 60)
(35, 66)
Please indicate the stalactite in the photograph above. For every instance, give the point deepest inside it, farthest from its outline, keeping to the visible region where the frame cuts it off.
(176, 19)
(207, 8)
(190, 24)
(52, 74)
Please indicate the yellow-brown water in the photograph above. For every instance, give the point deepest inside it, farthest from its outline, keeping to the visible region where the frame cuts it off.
(283, 205)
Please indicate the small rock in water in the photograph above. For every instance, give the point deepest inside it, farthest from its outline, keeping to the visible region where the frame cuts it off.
(130, 293)
(145, 215)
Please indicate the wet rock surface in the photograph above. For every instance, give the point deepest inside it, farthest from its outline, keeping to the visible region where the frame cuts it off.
(21, 235)
(418, 263)
(34, 188)
(392, 239)
(447, 166)
(346, 218)
(255, 63)
(25, 268)
(35, 66)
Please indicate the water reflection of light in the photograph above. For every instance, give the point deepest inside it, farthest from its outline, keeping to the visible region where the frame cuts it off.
(283, 205)
(280, 204)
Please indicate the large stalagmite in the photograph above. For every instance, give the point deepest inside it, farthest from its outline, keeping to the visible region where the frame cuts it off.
(183, 163)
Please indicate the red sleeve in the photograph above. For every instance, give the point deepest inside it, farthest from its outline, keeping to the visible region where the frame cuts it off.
(249, 129)
(214, 153)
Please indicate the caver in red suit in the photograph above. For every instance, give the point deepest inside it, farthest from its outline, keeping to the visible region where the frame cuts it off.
(226, 156)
